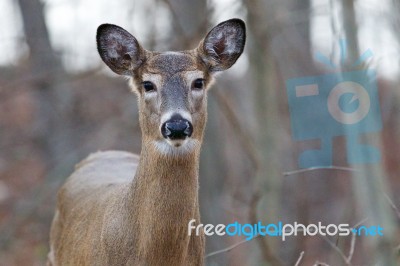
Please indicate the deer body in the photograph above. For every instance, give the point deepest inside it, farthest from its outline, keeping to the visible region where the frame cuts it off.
(121, 209)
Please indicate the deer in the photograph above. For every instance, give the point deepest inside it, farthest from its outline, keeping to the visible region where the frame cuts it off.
(118, 208)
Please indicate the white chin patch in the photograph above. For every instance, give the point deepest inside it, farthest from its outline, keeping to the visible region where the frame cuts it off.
(176, 147)
(177, 143)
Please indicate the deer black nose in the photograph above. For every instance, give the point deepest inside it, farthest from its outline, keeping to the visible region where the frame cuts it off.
(177, 128)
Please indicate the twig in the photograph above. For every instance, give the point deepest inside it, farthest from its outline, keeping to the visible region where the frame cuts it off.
(299, 259)
(396, 210)
(255, 199)
(266, 250)
(352, 247)
(340, 168)
(337, 249)
(360, 222)
(347, 260)
(229, 248)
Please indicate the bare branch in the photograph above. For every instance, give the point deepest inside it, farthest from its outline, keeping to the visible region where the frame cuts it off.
(334, 246)
(352, 247)
(299, 259)
(229, 248)
(266, 251)
(347, 259)
(394, 207)
(340, 168)
(360, 222)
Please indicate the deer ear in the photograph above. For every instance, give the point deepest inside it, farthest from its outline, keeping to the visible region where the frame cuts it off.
(223, 44)
(119, 49)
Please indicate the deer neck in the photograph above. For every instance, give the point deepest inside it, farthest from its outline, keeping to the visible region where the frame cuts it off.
(164, 193)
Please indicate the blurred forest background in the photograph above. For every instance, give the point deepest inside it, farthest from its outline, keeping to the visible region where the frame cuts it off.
(58, 103)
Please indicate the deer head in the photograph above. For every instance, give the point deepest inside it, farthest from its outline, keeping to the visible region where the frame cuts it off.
(172, 86)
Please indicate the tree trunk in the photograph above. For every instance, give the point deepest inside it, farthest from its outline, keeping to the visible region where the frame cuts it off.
(53, 121)
(370, 182)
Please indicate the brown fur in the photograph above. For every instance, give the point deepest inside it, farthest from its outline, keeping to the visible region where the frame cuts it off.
(156, 209)
(121, 209)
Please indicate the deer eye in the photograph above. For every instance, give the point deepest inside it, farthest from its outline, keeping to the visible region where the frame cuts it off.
(148, 86)
(198, 84)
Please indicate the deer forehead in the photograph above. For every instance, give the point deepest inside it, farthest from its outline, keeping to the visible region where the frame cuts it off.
(169, 64)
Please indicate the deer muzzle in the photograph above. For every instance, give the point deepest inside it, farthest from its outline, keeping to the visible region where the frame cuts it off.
(177, 128)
